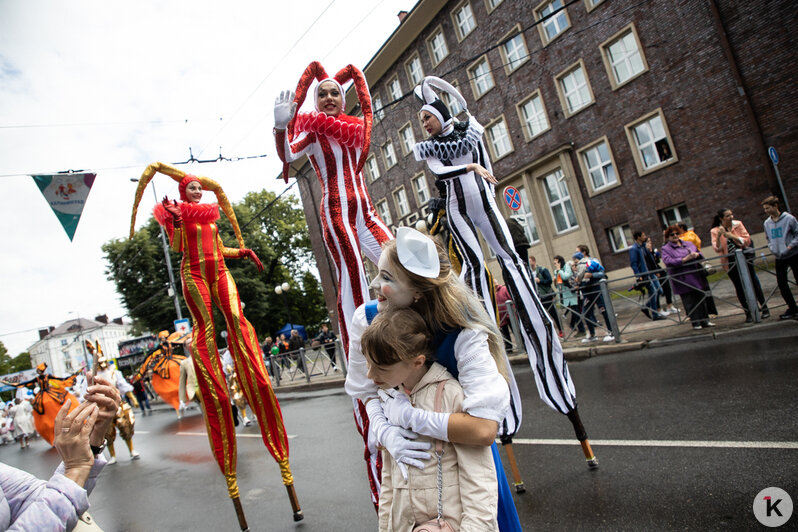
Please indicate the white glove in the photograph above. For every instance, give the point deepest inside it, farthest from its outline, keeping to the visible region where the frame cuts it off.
(284, 109)
(397, 408)
(397, 440)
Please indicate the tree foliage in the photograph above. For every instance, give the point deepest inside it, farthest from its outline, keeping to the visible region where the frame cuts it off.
(12, 365)
(278, 235)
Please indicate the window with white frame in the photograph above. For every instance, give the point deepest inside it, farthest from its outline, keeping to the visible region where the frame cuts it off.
(421, 189)
(574, 90)
(394, 89)
(384, 211)
(526, 218)
(533, 116)
(515, 52)
(492, 4)
(400, 200)
(481, 77)
(408, 138)
(376, 107)
(591, 4)
(464, 20)
(452, 103)
(372, 169)
(651, 142)
(562, 209)
(415, 72)
(676, 214)
(437, 47)
(389, 154)
(557, 21)
(599, 166)
(620, 237)
(499, 139)
(622, 57)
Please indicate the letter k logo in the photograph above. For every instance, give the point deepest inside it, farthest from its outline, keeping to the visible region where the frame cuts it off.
(772, 506)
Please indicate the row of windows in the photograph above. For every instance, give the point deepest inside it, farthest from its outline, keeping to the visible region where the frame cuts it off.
(402, 206)
(620, 236)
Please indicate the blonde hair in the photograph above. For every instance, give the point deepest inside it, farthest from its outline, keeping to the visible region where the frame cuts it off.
(447, 302)
(396, 335)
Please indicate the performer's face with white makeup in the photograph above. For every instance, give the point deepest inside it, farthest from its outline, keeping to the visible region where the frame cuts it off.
(194, 192)
(393, 288)
(330, 100)
(430, 123)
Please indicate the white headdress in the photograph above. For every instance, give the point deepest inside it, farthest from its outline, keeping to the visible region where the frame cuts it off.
(417, 253)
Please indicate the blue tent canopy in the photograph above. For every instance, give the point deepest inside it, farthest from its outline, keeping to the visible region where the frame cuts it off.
(286, 330)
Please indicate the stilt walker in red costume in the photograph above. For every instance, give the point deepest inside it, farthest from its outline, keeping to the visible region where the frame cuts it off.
(337, 146)
(48, 400)
(192, 230)
(165, 366)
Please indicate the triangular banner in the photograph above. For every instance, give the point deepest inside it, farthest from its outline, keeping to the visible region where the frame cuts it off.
(66, 194)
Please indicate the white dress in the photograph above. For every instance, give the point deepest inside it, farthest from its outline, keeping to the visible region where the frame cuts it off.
(22, 414)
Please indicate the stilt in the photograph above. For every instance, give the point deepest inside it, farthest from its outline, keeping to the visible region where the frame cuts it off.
(507, 443)
(242, 520)
(298, 515)
(581, 435)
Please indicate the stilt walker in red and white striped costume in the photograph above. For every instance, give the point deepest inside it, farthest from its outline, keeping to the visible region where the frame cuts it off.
(337, 146)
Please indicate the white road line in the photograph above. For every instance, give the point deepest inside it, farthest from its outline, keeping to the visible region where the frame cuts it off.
(666, 443)
(290, 436)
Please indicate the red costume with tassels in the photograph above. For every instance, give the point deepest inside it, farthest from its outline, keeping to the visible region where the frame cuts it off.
(337, 147)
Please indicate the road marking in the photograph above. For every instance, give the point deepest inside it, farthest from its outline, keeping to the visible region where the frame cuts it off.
(667, 443)
(290, 436)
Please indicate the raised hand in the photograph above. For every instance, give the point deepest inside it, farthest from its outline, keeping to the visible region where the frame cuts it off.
(174, 209)
(284, 109)
(72, 430)
(249, 254)
(107, 399)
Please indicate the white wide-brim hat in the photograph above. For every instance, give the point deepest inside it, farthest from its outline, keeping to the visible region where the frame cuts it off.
(417, 253)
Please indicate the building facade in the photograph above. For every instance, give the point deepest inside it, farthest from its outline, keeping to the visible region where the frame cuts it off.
(608, 116)
(62, 347)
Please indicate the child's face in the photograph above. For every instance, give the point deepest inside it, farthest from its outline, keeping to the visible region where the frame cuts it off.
(395, 374)
(394, 289)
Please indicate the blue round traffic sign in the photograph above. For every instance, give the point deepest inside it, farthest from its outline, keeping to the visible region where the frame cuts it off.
(774, 156)
(512, 197)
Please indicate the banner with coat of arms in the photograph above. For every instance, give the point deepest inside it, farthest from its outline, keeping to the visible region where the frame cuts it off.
(66, 193)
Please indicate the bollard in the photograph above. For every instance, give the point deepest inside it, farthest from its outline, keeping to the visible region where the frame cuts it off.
(605, 293)
(748, 285)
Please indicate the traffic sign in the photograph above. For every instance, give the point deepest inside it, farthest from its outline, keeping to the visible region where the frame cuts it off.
(512, 197)
(182, 326)
(774, 156)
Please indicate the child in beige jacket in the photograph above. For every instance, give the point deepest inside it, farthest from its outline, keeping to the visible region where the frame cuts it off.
(398, 352)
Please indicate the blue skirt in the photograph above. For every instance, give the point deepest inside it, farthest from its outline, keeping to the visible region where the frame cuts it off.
(508, 516)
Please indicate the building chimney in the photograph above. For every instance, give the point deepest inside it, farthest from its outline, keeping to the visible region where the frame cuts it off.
(401, 15)
(118, 321)
(102, 318)
(43, 333)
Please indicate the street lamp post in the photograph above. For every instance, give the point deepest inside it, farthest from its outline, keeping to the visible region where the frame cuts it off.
(172, 286)
(283, 289)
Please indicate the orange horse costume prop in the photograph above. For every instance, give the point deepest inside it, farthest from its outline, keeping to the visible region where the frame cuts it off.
(48, 400)
(206, 279)
(165, 366)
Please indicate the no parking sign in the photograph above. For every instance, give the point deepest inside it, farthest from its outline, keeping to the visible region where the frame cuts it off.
(512, 197)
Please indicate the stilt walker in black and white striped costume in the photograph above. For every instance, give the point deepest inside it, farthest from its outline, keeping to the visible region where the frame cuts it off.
(457, 156)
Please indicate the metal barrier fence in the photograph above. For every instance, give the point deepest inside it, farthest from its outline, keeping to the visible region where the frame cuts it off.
(624, 313)
(305, 365)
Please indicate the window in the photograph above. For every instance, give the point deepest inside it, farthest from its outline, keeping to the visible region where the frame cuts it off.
(553, 26)
(676, 214)
(591, 4)
(400, 200)
(620, 237)
(598, 165)
(437, 47)
(63, 342)
(376, 107)
(408, 138)
(421, 189)
(388, 154)
(499, 139)
(623, 58)
(574, 89)
(514, 51)
(384, 211)
(394, 89)
(532, 114)
(372, 169)
(451, 102)
(490, 5)
(526, 218)
(651, 144)
(481, 77)
(464, 21)
(562, 210)
(415, 72)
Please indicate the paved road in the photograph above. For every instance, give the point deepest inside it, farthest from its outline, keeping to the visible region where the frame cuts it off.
(655, 417)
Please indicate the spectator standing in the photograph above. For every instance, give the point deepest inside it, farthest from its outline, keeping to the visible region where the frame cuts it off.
(502, 297)
(520, 241)
(687, 276)
(295, 343)
(655, 264)
(781, 230)
(545, 290)
(688, 235)
(141, 394)
(643, 278)
(729, 235)
(22, 415)
(568, 298)
(327, 340)
(589, 272)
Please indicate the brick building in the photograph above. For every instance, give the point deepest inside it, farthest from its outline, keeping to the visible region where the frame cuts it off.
(608, 115)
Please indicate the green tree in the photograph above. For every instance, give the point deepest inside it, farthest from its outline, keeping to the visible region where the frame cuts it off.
(12, 365)
(274, 228)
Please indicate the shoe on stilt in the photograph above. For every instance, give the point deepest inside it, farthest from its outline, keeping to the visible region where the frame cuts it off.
(134, 455)
(112, 461)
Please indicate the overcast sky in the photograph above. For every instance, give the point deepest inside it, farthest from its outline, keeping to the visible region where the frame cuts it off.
(112, 87)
